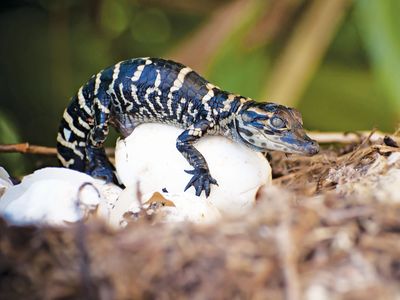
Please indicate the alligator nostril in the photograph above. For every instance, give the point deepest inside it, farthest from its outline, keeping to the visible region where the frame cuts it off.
(313, 147)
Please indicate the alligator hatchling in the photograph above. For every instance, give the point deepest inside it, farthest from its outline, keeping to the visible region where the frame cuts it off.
(146, 90)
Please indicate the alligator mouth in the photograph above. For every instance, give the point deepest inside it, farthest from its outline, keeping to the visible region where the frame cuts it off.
(283, 147)
(307, 148)
(292, 145)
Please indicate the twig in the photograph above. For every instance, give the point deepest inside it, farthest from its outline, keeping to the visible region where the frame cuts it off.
(288, 258)
(27, 148)
(348, 137)
(36, 149)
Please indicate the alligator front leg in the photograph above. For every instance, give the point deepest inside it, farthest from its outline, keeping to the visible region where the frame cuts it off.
(202, 178)
(98, 164)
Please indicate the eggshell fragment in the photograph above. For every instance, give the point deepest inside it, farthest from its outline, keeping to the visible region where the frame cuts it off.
(5, 181)
(54, 196)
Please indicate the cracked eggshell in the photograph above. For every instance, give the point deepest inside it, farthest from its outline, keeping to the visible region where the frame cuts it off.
(50, 196)
(5, 181)
(188, 208)
(149, 156)
(175, 208)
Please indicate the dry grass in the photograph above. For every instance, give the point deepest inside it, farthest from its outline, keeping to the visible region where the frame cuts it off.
(325, 231)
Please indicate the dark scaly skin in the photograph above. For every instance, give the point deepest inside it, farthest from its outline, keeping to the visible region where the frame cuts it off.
(148, 90)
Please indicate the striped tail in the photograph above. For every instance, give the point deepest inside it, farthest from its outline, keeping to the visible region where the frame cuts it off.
(72, 138)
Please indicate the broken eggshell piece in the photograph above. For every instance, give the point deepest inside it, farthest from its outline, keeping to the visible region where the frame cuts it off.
(5, 181)
(54, 196)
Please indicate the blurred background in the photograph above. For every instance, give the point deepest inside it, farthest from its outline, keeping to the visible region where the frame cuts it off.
(338, 61)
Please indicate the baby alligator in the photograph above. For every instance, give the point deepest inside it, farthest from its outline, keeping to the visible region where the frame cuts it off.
(146, 90)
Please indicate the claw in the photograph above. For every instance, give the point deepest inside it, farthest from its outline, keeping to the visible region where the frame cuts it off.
(198, 189)
(201, 180)
(191, 172)
(191, 181)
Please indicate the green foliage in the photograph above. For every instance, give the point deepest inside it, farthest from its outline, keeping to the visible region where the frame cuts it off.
(379, 24)
(114, 17)
(345, 98)
(357, 87)
(12, 162)
(239, 73)
(237, 68)
(151, 26)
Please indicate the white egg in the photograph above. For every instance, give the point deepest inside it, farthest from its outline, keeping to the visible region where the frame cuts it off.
(149, 157)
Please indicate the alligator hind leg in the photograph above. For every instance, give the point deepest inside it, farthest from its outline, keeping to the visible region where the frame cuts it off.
(98, 163)
(99, 166)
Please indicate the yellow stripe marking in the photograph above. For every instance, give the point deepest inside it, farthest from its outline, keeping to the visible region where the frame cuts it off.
(71, 125)
(82, 102)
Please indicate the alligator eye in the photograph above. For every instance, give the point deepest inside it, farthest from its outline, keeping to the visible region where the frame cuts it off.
(277, 122)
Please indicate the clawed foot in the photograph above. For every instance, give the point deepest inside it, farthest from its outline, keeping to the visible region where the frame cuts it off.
(201, 180)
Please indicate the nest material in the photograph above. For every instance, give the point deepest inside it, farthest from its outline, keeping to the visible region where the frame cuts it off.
(325, 231)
